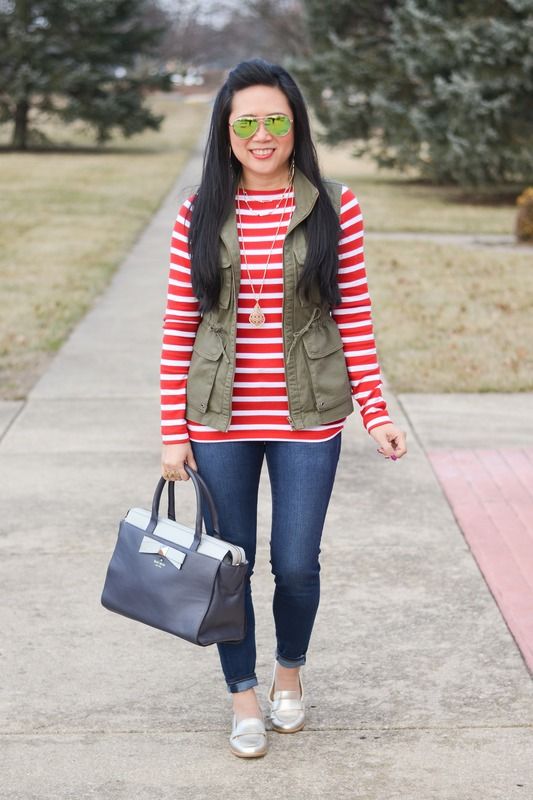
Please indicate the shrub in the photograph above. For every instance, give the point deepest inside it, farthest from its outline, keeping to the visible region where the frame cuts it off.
(524, 218)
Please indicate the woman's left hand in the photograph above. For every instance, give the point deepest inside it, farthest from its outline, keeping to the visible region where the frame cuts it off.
(391, 440)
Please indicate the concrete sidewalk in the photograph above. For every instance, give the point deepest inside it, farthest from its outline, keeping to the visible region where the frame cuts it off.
(481, 449)
(415, 687)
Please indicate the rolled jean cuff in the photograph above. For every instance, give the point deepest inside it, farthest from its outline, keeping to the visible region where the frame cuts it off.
(290, 662)
(242, 685)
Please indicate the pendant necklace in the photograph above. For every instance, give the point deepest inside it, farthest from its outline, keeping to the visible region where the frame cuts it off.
(257, 316)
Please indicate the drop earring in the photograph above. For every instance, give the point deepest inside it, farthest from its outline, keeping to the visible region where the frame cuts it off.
(292, 168)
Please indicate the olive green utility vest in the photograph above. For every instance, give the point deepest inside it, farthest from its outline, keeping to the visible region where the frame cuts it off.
(316, 374)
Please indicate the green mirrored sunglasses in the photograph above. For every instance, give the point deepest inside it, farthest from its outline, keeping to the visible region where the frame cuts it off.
(275, 124)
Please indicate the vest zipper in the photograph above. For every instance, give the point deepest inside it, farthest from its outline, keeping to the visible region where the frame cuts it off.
(228, 423)
(290, 419)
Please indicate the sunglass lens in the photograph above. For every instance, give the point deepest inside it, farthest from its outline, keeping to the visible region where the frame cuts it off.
(245, 127)
(278, 125)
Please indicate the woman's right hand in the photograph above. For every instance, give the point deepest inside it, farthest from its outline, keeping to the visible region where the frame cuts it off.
(173, 458)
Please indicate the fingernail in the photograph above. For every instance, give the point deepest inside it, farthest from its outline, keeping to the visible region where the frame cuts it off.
(394, 458)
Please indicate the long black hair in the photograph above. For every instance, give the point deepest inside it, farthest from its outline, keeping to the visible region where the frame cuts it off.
(220, 177)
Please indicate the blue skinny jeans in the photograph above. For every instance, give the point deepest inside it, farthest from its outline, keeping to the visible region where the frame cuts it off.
(301, 477)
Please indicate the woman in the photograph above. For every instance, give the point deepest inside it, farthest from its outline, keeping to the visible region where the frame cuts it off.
(267, 341)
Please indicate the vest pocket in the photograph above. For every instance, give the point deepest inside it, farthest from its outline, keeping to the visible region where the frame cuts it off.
(203, 370)
(226, 281)
(330, 382)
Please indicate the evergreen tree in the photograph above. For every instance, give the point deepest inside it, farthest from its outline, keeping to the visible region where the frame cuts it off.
(77, 59)
(444, 85)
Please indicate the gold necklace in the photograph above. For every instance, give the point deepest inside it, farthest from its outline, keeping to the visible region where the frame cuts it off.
(257, 316)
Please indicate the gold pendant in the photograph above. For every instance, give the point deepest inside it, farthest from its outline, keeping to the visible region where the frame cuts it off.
(257, 317)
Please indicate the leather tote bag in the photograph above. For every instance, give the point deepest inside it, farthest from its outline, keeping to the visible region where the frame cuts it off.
(177, 579)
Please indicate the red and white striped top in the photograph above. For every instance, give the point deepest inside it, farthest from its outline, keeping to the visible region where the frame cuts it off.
(259, 404)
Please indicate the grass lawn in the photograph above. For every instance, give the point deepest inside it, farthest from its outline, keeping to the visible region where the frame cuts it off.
(452, 319)
(68, 220)
(393, 202)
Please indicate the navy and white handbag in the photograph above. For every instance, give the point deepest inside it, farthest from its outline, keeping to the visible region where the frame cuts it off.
(176, 578)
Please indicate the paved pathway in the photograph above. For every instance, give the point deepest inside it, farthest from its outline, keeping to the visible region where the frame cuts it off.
(486, 471)
(491, 493)
(415, 686)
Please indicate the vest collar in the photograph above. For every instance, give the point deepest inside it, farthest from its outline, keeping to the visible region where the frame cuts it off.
(305, 195)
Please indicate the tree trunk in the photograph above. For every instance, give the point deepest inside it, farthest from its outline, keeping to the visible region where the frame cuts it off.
(20, 131)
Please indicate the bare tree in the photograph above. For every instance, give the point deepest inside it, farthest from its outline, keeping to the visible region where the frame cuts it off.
(222, 34)
(283, 26)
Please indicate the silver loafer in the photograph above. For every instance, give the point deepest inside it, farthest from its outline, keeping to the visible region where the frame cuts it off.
(287, 708)
(248, 737)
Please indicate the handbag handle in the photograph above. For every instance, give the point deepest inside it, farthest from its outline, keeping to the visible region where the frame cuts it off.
(199, 489)
(207, 496)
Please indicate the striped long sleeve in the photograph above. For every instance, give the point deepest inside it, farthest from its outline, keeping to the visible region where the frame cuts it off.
(180, 323)
(354, 316)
